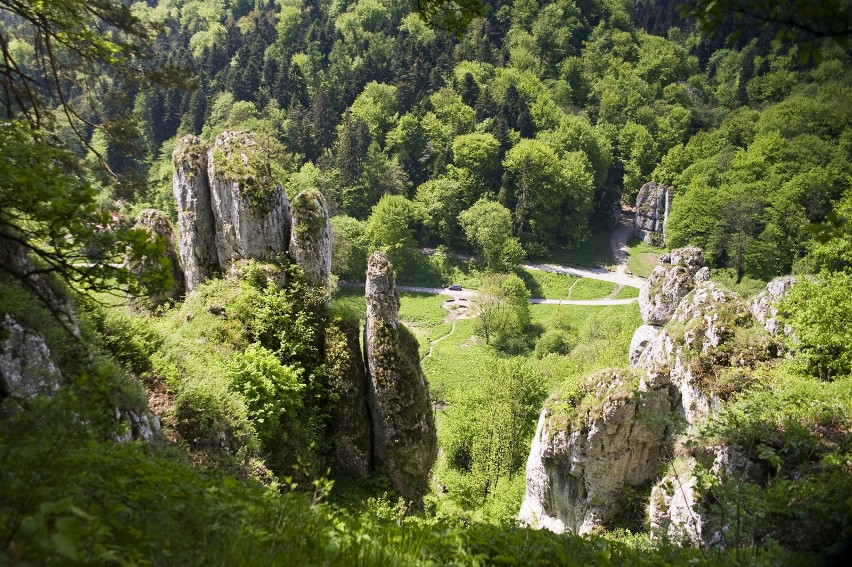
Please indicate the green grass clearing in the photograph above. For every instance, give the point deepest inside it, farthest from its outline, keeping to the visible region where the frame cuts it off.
(457, 361)
(642, 258)
(627, 292)
(588, 288)
(546, 285)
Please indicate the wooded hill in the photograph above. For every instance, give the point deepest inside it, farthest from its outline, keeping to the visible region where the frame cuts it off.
(145, 422)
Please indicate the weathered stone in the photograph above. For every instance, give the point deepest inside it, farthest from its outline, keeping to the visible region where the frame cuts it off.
(157, 225)
(577, 472)
(26, 369)
(351, 429)
(250, 208)
(670, 281)
(763, 304)
(143, 426)
(310, 237)
(641, 338)
(674, 515)
(652, 210)
(191, 189)
(398, 396)
(698, 345)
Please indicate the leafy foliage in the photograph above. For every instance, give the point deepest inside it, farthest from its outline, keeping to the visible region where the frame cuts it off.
(269, 389)
(819, 315)
(52, 213)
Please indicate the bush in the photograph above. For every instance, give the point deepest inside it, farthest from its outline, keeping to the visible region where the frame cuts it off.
(555, 341)
(269, 389)
(820, 314)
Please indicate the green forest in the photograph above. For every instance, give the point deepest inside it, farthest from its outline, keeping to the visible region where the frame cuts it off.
(470, 282)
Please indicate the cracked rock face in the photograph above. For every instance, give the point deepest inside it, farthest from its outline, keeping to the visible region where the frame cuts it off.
(158, 224)
(404, 438)
(652, 208)
(704, 341)
(310, 237)
(576, 474)
(191, 189)
(351, 429)
(26, 369)
(251, 210)
(671, 280)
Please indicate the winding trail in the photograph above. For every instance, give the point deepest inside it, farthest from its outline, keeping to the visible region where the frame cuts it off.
(439, 339)
(618, 244)
(620, 276)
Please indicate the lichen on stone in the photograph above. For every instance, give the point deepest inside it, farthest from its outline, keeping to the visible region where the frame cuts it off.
(239, 158)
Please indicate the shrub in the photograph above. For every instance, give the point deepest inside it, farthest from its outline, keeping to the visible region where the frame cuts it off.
(555, 341)
(269, 389)
(820, 314)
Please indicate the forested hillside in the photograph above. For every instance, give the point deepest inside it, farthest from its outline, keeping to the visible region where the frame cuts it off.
(226, 230)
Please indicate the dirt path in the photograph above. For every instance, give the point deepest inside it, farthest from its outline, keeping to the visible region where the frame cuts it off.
(620, 277)
(439, 339)
(618, 243)
(619, 238)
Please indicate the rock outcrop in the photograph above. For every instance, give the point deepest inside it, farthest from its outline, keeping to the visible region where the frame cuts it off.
(616, 434)
(26, 369)
(251, 210)
(351, 428)
(673, 512)
(157, 224)
(404, 439)
(652, 210)
(191, 189)
(763, 305)
(670, 281)
(577, 472)
(136, 425)
(713, 331)
(310, 237)
(642, 337)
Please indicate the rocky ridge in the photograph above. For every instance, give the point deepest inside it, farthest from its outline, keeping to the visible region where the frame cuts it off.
(310, 237)
(251, 210)
(196, 234)
(230, 209)
(622, 429)
(576, 473)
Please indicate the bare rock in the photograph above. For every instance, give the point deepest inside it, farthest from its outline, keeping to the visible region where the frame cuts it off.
(578, 467)
(670, 281)
(157, 225)
(674, 514)
(711, 334)
(763, 305)
(136, 426)
(251, 209)
(26, 369)
(652, 209)
(191, 189)
(398, 396)
(351, 428)
(643, 335)
(310, 237)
